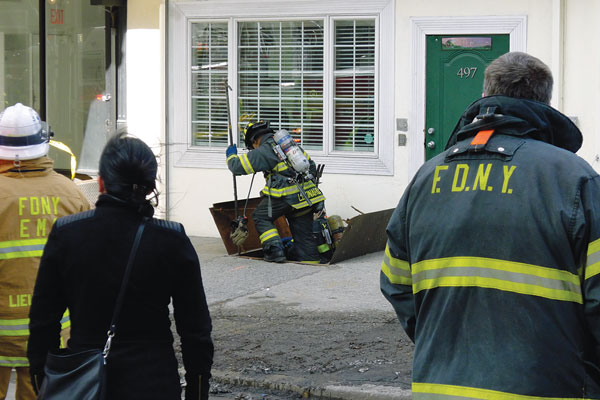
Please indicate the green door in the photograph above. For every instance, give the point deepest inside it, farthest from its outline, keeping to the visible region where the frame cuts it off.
(454, 79)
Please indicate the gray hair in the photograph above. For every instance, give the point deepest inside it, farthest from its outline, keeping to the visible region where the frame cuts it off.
(521, 75)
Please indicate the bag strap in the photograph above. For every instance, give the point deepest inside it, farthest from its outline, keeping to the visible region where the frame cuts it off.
(118, 305)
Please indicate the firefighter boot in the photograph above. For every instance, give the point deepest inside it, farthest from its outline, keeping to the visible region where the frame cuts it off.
(274, 253)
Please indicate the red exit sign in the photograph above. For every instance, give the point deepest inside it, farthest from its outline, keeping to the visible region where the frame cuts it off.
(57, 17)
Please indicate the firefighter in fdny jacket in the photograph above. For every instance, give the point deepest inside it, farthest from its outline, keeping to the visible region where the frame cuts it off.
(32, 197)
(493, 256)
(290, 190)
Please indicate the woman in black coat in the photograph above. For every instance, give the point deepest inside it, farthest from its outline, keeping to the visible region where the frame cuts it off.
(82, 268)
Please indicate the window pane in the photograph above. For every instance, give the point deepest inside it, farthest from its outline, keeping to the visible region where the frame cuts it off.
(76, 82)
(354, 85)
(208, 77)
(280, 69)
(19, 54)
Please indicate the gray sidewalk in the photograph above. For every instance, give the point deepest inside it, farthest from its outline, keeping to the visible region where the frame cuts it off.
(349, 288)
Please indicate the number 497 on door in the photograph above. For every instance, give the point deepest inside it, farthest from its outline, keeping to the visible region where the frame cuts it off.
(466, 72)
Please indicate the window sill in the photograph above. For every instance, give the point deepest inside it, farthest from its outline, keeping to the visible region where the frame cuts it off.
(334, 164)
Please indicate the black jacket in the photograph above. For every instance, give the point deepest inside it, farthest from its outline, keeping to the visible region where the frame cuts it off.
(82, 268)
(493, 259)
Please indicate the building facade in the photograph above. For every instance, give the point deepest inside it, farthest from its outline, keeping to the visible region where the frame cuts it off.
(370, 88)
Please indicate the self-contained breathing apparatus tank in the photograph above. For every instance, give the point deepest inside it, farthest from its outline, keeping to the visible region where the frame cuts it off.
(286, 148)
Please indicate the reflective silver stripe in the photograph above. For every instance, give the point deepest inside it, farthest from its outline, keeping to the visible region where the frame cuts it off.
(504, 275)
(21, 248)
(14, 361)
(434, 391)
(592, 265)
(13, 327)
(397, 270)
(497, 274)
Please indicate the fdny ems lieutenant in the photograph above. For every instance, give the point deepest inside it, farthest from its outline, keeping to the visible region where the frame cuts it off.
(286, 193)
(32, 197)
(493, 256)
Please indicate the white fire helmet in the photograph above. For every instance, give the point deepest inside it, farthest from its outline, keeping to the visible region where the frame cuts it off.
(23, 136)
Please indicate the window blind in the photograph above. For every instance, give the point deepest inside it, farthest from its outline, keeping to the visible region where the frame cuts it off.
(354, 85)
(208, 77)
(280, 70)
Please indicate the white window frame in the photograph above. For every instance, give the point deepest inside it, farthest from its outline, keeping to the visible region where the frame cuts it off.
(182, 13)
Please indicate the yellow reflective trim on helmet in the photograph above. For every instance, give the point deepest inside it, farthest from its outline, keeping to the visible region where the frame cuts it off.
(66, 149)
(435, 391)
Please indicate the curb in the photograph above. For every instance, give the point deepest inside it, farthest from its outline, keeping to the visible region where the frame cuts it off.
(285, 383)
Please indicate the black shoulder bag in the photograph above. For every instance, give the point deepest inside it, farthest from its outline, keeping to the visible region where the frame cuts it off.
(82, 375)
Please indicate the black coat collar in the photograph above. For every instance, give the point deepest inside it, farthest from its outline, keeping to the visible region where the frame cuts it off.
(518, 117)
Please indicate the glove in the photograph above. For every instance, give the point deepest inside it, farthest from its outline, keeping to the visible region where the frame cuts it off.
(231, 150)
(239, 231)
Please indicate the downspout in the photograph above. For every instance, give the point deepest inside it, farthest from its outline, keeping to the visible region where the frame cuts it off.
(558, 59)
(166, 110)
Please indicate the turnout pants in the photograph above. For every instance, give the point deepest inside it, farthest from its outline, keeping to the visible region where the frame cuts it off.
(301, 225)
(24, 389)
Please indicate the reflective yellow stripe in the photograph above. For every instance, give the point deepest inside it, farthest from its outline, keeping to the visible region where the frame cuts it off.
(246, 164)
(14, 327)
(20, 327)
(322, 248)
(230, 157)
(433, 391)
(310, 262)
(396, 270)
(280, 167)
(65, 321)
(22, 248)
(497, 274)
(271, 233)
(286, 191)
(312, 200)
(66, 149)
(592, 265)
(13, 361)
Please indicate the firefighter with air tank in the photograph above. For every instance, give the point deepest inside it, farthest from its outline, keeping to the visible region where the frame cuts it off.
(291, 191)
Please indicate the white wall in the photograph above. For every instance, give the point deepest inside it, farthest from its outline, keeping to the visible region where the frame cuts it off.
(145, 79)
(582, 73)
(192, 191)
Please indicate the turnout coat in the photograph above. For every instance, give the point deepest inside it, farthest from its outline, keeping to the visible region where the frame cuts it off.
(82, 268)
(493, 260)
(277, 174)
(32, 197)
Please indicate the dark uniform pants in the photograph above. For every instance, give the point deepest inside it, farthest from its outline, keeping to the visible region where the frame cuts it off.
(301, 225)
